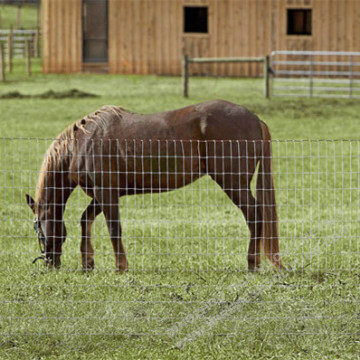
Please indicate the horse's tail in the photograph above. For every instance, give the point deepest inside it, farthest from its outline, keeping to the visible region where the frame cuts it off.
(265, 195)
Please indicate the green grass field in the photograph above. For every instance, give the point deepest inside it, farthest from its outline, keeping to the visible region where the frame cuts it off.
(187, 294)
(9, 17)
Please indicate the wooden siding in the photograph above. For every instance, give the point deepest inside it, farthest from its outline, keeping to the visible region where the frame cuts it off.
(141, 39)
(146, 36)
(62, 36)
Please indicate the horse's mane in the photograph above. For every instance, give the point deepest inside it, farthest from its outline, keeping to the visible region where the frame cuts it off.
(61, 147)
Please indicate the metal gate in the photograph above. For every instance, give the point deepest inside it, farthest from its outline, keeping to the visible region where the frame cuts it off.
(315, 74)
(17, 40)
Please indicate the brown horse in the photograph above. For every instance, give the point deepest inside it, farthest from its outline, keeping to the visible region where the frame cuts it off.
(114, 152)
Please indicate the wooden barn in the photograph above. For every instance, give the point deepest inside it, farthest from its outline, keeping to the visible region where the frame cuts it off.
(150, 36)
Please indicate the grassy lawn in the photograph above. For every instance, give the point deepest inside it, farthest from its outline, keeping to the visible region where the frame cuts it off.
(9, 16)
(187, 293)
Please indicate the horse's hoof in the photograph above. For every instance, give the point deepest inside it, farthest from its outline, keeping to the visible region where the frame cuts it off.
(89, 265)
(253, 265)
(122, 269)
(87, 269)
(119, 271)
(253, 269)
(122, 266)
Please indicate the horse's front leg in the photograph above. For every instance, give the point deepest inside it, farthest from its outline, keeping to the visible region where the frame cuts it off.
(86, 248)
(109, 202)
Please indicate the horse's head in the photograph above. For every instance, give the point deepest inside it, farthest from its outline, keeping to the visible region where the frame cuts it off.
(51, 232)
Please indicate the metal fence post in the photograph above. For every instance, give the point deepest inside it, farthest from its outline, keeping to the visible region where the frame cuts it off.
(311, 75)
(37, 43)
(273, 73)
(266, 76)
(185, 76)
(2, 63)
(351, 77)
(27, 54)
(9, 52)
(19, 17)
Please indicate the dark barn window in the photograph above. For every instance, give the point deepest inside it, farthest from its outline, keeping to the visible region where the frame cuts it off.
(299, 22)
(196, 19)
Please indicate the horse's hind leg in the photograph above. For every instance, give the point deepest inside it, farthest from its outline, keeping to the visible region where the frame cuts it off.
(246, 202)
(233, 168)
(87, 219)
(252, 215)
(237, 187)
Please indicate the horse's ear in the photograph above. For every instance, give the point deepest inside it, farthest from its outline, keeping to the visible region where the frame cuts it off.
(31, 202)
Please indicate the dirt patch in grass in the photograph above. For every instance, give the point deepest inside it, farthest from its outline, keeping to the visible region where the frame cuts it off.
(51, 94)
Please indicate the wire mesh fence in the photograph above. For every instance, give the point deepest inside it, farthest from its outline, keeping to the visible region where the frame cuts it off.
(186, 246)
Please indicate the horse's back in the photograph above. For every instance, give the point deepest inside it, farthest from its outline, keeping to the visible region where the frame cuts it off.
(211, 120)
(164, 150)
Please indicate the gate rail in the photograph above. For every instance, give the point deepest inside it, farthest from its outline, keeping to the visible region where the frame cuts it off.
(315, 74)
(16, 40)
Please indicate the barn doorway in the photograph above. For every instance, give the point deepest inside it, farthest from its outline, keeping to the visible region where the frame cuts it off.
(95, 31)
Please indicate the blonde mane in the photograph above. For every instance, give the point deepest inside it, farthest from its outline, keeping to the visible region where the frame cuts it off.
(60, 148)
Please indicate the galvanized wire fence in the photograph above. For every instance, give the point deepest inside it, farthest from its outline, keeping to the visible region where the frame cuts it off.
(195, 232)
(315, 74)
(317, 191)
